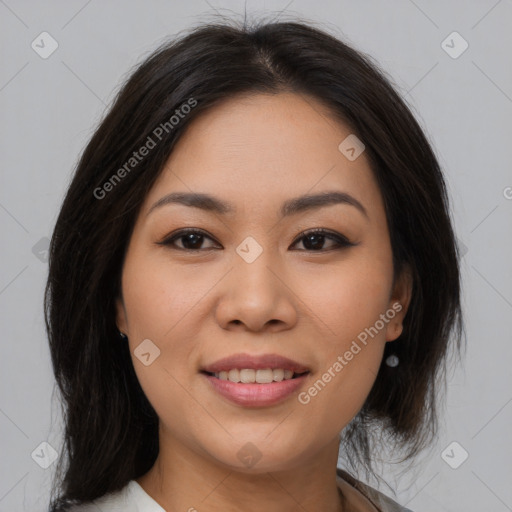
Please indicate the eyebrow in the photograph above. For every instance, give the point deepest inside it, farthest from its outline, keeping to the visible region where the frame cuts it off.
(290, 207)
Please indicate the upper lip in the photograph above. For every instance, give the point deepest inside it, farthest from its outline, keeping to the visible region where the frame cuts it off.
(259, 362)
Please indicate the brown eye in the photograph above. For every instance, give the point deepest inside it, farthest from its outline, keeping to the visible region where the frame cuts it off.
(192, 240)
(314, 240)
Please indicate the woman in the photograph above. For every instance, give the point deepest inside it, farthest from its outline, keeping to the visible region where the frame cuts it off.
(254, 265)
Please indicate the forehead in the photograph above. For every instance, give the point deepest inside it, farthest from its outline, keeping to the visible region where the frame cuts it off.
(258, 150)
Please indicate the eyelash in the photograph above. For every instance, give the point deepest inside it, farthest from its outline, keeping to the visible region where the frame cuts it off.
(342, 242)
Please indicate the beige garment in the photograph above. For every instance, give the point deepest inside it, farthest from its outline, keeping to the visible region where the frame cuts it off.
(360, 497)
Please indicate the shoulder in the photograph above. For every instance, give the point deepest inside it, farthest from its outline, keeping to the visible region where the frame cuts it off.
(117, 501)
(131, 498)
(380, 501)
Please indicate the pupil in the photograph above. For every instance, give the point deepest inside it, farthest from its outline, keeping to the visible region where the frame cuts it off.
(189, 239)
(310, 241)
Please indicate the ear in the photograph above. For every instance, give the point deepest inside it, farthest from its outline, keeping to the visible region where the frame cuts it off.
(399, 302)
(121, 322)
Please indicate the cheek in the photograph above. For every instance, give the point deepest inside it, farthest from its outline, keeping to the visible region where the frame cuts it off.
(161, 304)
(159, 296)
(160, 301)
(348, 298)
(348, 304)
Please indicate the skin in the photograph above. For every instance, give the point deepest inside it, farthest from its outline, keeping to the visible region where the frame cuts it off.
(256, 151)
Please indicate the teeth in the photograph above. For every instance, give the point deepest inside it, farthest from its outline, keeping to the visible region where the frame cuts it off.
(250, 376)
(233, 375)
(264, 376)
(278, 375)
(247, 376)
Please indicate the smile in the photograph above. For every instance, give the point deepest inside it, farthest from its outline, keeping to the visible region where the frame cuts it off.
(251, 376)
(255, 380)
(254, 393)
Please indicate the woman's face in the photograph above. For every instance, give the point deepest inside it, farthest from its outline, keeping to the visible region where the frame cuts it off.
(251, 284)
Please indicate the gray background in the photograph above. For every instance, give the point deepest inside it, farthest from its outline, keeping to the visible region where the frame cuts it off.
(51, 106)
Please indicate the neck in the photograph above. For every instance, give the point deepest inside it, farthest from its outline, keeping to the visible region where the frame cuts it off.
(182, 479)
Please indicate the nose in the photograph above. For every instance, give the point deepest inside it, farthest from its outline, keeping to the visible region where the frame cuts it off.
(256, 296)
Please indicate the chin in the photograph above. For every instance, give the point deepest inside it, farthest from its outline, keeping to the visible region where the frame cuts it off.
(255, 458)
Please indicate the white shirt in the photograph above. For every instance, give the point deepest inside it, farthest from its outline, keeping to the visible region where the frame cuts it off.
(131, 498)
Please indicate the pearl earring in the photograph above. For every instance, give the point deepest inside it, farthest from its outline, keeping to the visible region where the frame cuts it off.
(123, 335)
(392, 360)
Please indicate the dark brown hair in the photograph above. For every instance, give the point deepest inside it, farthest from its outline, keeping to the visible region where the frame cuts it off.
(111, 429)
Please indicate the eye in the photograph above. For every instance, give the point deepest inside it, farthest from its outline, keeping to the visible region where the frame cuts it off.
(192, 239)
(313, 240)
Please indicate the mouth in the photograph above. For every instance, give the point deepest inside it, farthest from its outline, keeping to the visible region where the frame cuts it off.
(255, 381)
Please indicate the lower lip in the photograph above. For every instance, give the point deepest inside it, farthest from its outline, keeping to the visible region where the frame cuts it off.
(256, 395)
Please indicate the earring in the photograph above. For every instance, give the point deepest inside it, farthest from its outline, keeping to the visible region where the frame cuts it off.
(123, 335)
(392, 360)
